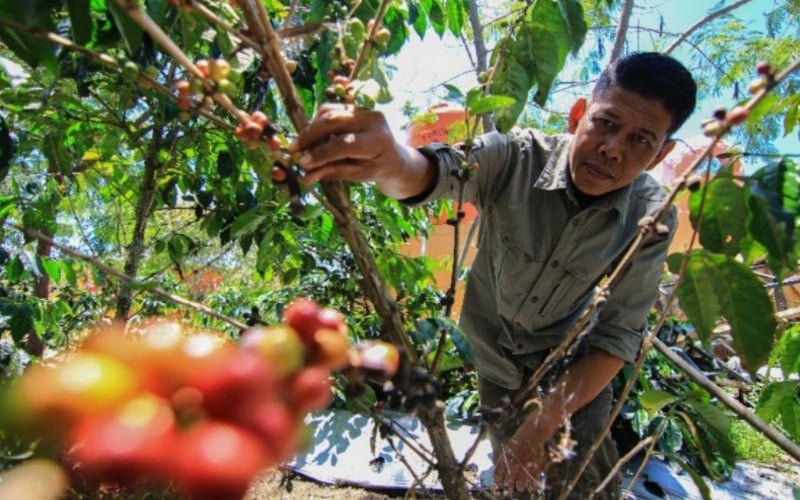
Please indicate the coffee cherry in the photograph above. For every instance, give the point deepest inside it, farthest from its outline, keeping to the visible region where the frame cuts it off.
(183, 87)
(737, 115)
(204, 67)
(278, 175)
(310, 389)
(756, 85)
(291, 65)
(280, 346)
(130, 71)
(764, 68)
(301, 314)
(713, 128)
(227, 87)
(260, 118)
(383, 36)
(219, 69)
(216, 460)
(331, 349)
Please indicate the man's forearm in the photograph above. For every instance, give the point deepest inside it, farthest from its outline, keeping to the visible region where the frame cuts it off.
(575, 389)
(416, 177)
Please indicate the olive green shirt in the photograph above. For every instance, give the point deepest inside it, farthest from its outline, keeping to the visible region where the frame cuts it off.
(540, 254)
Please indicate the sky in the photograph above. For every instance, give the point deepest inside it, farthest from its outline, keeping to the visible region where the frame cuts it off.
(423, 65)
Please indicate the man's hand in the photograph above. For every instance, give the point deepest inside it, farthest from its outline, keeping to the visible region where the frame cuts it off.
(524, 456)
(345, 142)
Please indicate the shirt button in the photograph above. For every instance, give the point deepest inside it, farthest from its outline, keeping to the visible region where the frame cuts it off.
(520, 345)
(534, 299)
(554, 263)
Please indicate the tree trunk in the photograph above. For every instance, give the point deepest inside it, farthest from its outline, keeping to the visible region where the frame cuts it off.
(144, 207)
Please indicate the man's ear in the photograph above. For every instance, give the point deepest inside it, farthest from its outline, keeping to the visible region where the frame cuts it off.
(575, 114)
(665, 149)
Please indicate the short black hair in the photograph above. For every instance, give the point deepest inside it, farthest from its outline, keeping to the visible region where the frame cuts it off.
(654, 76)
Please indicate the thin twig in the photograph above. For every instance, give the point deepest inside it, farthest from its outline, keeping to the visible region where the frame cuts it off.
(622, 30)
(622, 461)
(212, 18)
(369, 42)
(721, 12)
(128, 279)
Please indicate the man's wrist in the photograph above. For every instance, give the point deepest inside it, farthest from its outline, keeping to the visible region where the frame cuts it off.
(424, 170)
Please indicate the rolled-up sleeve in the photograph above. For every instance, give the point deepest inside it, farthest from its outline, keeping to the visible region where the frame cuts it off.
(621, 321)
(493, 153)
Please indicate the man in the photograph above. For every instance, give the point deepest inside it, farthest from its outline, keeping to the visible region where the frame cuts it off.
(556, 213)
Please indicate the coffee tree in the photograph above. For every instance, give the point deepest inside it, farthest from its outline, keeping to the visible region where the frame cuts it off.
(154, 136)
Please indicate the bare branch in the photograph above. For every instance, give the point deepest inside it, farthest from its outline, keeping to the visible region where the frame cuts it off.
(132, 281)
(714, 15)
(622, 30)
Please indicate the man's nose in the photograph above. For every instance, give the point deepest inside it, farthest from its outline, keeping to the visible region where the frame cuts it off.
(612, 148)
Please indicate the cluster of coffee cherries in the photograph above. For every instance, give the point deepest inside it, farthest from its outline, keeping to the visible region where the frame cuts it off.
(194, 92)
(160, 408)
(255, 128)
(722, 119)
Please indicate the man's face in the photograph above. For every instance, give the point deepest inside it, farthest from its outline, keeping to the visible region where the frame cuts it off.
(619, 136)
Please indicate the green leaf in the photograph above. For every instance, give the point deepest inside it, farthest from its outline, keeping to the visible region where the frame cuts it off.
(696, 292)
(715, 285)
(15, 270)
(455, 16)
(792, 117)
(21, 321)
(418, 18)
(749, 310)
(671, 440)
(701, 484)
(36, 14)
(790, 351)
(790, 414)
(764, 107)
(654, 400)
(770, 403)
(81, 20)
(247, 222)
(266, 253)
(224, 165)
(50, 267)
(436, 16)
(534, 54)
(772, 235)
(68, 272)
(178, 246)
(717, 425)
(488, 104)
(157, 10)
(724, 218)
(572, 10)
(130, 31)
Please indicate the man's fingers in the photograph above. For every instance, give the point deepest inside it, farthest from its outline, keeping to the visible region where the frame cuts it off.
(349, 170)
(335, 119)
(336, 148)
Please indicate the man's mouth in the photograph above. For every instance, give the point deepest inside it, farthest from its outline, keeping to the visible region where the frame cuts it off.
(598, 172)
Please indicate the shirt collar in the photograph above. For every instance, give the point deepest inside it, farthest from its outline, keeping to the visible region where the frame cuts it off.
(555, 176)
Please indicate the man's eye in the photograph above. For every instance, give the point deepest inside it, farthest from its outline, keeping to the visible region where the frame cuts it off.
(640, 139)
(603, 122)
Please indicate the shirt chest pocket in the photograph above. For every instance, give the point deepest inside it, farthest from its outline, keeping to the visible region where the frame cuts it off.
(516, 268)
(565, 293)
